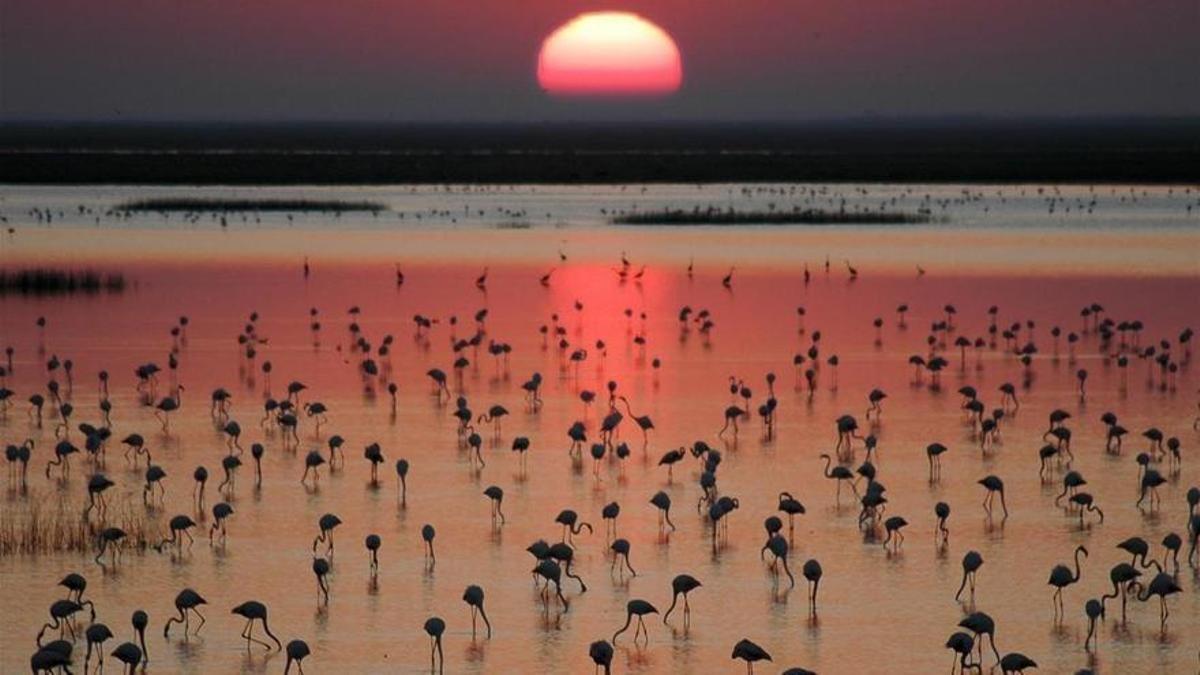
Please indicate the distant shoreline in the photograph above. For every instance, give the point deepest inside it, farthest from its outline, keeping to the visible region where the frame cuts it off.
(1165, 151)
(248, 169)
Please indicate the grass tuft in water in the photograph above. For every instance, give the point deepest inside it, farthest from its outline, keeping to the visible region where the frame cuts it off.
(40, 525)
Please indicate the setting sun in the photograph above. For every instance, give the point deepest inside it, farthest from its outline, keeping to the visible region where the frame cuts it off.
(601, 53)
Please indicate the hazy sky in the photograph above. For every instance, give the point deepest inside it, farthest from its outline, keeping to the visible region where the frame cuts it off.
(397, 60)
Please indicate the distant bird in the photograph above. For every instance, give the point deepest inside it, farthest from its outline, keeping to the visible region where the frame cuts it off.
(1162, 585)
(839, 473)
(372, 543)
(473, 596)
(662, 501)
(994, 486)
(187, 602)
(670, 458)
(252, 611)
(812, 573)
(97, 634)
(320, 568)
(971, 563)
(1061, 577)
(601, 653)
(326, 524)
(681, 585)
(297, 651)
(434, 628)
(130, 656)
(778, 547)
(792, 507)
(1094, 610)
(1015, 662)
(893, 527)
(750, 653)
(496, 495)
(638, 608)
(427, 535)
(980, 624)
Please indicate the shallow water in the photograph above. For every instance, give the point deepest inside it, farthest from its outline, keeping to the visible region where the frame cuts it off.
(877, 611)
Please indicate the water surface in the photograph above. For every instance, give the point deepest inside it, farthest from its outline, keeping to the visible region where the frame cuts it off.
(878, 612)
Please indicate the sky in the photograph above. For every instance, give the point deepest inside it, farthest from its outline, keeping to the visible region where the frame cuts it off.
(475, 60)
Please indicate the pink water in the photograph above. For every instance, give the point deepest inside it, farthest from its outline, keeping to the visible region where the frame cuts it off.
(899, 606)
(878, 611)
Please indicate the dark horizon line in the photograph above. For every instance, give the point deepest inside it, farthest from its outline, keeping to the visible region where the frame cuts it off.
(903, 121)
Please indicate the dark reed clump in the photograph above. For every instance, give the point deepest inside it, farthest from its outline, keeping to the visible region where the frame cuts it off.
(796, 216)
(211, 205)
(52, 281)
(46, 525)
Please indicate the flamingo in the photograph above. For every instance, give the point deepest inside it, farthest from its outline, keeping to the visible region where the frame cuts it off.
(1061, 577)
(297, 651)
(252, 611)
(643, 421)
(994, 486)
(434, 628)
(601, 653)
(473, 596)
(1163, 584)
(971, 563)
(187, 602)
(812, 573)
(496, 495)
(638, 608)
(839, 473)
(792, 507)
(750, 653)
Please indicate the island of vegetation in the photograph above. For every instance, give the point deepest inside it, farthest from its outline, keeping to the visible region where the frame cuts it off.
(211, 205)
(796, 216)
(50, 281)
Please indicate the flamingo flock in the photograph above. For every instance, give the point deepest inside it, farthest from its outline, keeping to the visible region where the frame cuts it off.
(292, 428)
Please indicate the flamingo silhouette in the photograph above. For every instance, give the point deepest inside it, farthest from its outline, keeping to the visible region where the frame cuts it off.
(750, 653)
(792, 507)
(682, 585)
(778, 547)
(252, 611)
(1162, 585)
(550, 572)
(620, 549)
(643, 421)
(571, 525)
(473, 596)
(638, 608)
(187, 602)
(1061, 577)
(981, 624)
(434, 628)
(971, 563)
(496, 495)
(839, 473)
(994, 486)
(812, 573)
(601, 653)
(297, 651)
